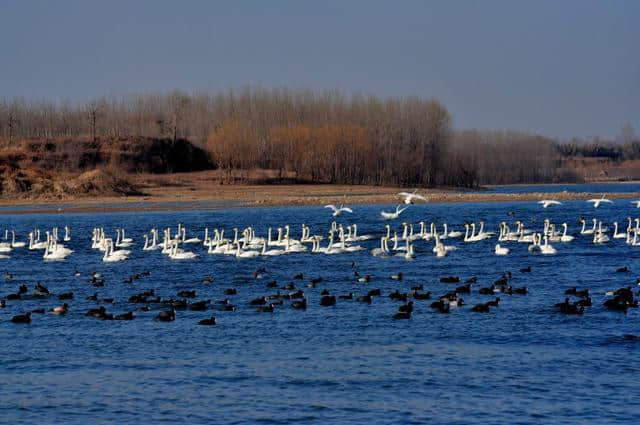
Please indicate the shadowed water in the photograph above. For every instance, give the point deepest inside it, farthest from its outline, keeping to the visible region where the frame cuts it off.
(521, 363)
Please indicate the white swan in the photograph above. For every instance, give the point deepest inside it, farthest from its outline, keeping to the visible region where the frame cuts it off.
(67, 234)
(565, 237)
(535, 245)
(338, 210)
(271, 252)
(547, 202)
(111, 256)
(440, 245)
(636, 203)
(409, 255)
(410, 196)
(15, 244)
(586, 231)
(53, 254)
(123, 238)
(245, 254)
(547, 249)
(596, 202)
(36, 244)
(500, 250)
(452, 233)
(393, 215)
(382, 250)
(176, 254)
(617, 235)
(190, 240)
(120, 242)
(600, 238)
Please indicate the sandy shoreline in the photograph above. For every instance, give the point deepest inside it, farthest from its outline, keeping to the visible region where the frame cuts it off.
(200, 195)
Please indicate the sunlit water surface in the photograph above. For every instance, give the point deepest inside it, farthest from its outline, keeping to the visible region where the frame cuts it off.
(521, 363)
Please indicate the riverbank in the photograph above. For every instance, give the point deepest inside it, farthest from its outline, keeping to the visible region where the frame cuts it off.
(203, 191)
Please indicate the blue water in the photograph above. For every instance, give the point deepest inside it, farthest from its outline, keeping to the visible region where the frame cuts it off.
(572, 188)
(521, 363)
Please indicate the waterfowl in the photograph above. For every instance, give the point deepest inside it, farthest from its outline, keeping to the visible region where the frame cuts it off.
(493, 303)
(569, 308)
(406, 308)
(328, 301)
(338, 210)
(450, 279)
(208, 322)
(596, 202)
(96, 312)
(442, 306)
(481, 308)
(365, 299)
(499, 250)
(258, 301)
(576, 292)
(402, 315)
(66, 296)
(464, 289)
(60, 310)
(266, 308)
(393, 215)
(617, 304)
(375, 292)
(397, 276)
(22, 318)
(124, 316)
(166, 316)
(199, 305)
(398, 296)
(300, 305)
(420, 296)
(548, 202)
(487, 291)
(409, 197)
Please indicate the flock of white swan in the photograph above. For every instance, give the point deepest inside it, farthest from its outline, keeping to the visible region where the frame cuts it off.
(339, 238)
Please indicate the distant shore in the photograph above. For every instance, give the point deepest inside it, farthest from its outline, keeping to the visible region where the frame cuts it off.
(200, 193)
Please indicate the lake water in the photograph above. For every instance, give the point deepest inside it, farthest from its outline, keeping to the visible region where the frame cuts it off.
(351, 363)
(572, 188)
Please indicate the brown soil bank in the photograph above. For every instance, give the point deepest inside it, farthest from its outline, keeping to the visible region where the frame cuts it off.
(204, 190)
(125, 154)
(34, 184)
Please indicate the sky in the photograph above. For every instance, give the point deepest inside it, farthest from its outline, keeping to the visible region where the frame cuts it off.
(558, 68)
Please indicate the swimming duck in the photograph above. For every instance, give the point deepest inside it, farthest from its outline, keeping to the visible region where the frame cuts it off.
(328, 301)
(199, 305)
(60, 310)
(125, 316)
(481, 308)
(166, 316)
(300, 305)
(266, 308)
(208, 322)
(402, 315)
(22, 318)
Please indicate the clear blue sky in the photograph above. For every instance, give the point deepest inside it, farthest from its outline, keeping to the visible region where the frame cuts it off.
(559, 68)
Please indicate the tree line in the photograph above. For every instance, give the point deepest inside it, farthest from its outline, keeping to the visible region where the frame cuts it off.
(307, 136)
